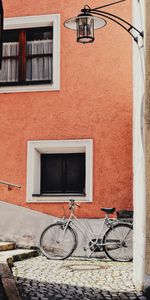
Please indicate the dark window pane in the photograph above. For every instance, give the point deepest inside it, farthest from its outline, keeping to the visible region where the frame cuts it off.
(75, 173)
(51, 173)
(9, 70)
(63, 173)
(41, 34)
(11, 35)
(39, 49)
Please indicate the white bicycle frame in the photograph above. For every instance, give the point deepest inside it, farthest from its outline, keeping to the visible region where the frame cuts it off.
(88, 233)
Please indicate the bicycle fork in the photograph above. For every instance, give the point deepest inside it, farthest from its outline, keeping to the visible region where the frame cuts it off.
(65, 225)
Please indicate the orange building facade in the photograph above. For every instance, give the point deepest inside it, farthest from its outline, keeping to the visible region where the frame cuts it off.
(73, 122)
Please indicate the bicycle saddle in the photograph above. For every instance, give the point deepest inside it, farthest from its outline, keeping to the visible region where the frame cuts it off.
(108, 210)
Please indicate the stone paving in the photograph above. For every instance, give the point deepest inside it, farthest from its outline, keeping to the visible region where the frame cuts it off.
(75, 278)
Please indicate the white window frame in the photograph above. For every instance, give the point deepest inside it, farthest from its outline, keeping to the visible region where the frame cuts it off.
(34, 151)
(31, 22)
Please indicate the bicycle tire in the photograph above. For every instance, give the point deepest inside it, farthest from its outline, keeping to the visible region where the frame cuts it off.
(118, 242)
(50, 245)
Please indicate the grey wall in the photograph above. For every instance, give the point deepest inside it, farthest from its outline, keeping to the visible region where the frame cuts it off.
(24, 226)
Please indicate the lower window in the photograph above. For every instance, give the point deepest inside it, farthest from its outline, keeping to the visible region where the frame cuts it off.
(63, 173)
(59, 170)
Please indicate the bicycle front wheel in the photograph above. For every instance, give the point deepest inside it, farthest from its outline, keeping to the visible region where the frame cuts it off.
(58, 242)
(118, 242)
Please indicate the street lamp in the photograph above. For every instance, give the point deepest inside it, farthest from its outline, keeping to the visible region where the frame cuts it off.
(94, 18)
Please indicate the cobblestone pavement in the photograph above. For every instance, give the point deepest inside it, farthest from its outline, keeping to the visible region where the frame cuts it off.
(75, 278)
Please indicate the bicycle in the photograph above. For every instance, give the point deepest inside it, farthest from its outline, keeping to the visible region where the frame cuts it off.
(59, 240)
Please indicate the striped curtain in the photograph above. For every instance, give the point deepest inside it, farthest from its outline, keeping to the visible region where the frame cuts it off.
(9, 71)
(39, 68)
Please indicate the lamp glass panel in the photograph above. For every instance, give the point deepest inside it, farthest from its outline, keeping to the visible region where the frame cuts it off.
(85, 29)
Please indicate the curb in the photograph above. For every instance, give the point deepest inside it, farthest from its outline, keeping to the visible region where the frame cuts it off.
(8, 282)
(7, 277)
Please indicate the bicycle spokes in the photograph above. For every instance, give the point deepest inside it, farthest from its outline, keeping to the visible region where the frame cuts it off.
(118, 242)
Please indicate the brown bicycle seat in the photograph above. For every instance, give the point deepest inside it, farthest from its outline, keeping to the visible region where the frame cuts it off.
(108, 210)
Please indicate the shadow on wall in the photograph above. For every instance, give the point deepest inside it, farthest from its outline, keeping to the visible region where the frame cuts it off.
(22, 225)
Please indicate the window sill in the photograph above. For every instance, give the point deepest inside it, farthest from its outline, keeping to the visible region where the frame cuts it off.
(38, 198)
(29, 88)
(60, 195)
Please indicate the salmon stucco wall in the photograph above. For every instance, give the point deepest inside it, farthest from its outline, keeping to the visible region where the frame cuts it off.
(94, 102)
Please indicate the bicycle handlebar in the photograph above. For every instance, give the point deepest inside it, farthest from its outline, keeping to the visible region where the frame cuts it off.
(72, 204)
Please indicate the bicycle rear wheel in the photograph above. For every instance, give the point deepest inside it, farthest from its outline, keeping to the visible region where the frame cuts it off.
(118, 242)
(56, 242)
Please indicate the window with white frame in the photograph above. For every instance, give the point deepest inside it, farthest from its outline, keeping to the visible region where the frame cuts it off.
(59, 170)
(30, 54)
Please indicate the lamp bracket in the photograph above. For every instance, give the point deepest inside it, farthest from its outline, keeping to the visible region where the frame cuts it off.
(118, 20)
(106, 5)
